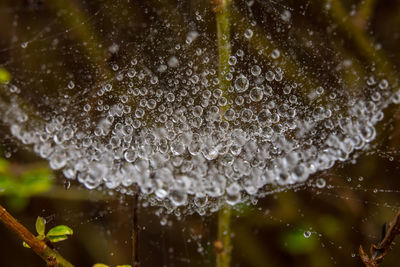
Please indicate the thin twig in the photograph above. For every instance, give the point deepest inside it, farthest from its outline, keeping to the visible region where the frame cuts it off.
(135, 230)
(379, 250)
(364, 42)
(223, 245)
(50, 256)
(364, 13)
(222, 9)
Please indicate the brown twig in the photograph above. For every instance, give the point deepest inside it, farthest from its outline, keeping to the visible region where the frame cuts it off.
(379, 250)
(50, 256)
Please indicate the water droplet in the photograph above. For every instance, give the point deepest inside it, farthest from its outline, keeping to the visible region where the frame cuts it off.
(130, 155)
(307, 234)
(255, 70)
(321, 183)
(241, 84)
(67, 184)
(256, 94)
(248, 33)
(232, 60)
(275, 54)
(71, 85)
(86, 108)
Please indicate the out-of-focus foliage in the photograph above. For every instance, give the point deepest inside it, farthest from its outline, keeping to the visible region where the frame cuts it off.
(19, 185)
(5, 76)
(295, 242)
(104, 265)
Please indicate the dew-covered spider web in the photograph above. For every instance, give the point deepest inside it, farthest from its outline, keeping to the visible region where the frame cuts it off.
(136, 102)
(129, 96)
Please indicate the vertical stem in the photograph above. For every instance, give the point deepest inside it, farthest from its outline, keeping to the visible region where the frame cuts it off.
(50, 256)
(363, 41)
(135, 231)
(223, 18)
(224, 236)
(365, 12)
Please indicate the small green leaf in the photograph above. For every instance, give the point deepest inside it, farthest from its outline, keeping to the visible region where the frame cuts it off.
(100, 265)
(5, 76)
(59, 233)
(59, 230)
(58, 238)
(125, 265)
(40, 226)
(25, 244)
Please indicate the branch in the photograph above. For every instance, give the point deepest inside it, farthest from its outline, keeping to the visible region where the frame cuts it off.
(50, 256)
(379, 250)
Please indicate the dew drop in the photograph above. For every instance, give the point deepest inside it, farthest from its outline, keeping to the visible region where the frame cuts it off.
(321, 183)
(307, 234)
(248, 33)
(67, 184)
(241, 84)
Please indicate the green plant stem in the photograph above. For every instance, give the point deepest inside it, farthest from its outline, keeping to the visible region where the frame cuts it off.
(135, 230)
(223, 20)
(254, 251)
(362, 41)
(365, 12)
(79, 25)
(224, 236)
(50, 256)
(241, 23)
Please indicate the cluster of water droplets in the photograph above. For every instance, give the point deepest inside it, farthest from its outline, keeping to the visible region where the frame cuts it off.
(180, 140)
